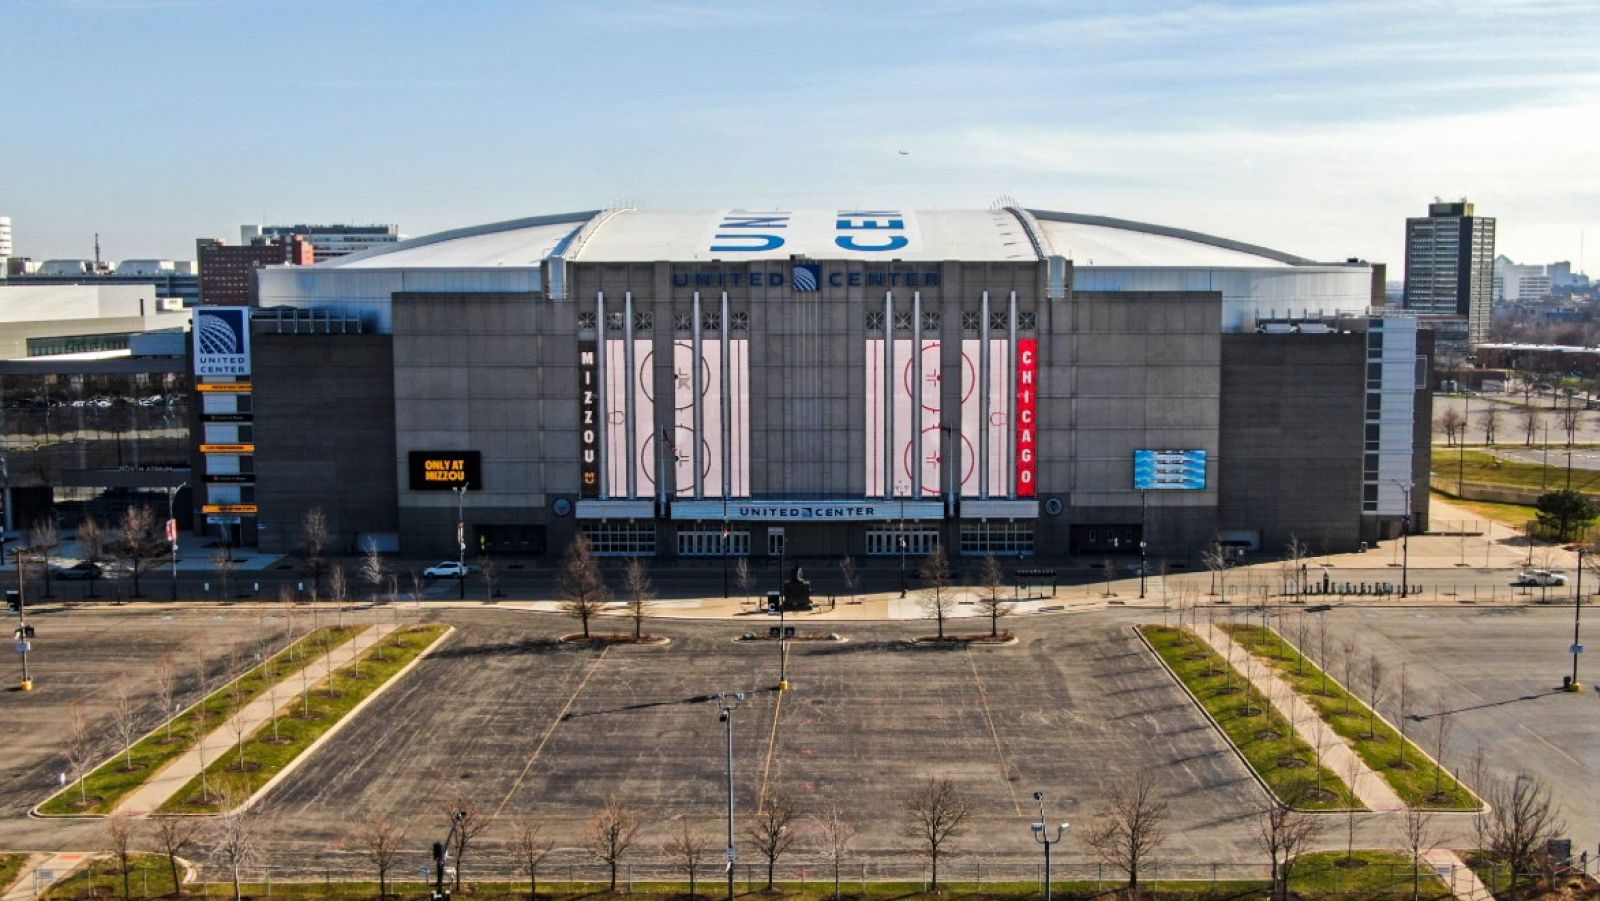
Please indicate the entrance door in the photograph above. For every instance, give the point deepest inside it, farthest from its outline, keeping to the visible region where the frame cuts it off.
(775, 542)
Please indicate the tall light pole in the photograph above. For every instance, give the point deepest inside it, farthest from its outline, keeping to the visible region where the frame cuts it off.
(1041, 834)
(1577, 623)
(461, 539)
(730, 703)
(724, 545)
(1143, 512)
(24, 640)
(1405, 539)
(1461, 449)
(902, 547)
(172, 534)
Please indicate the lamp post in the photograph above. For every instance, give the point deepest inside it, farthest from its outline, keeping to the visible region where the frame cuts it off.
(23, 639)
(730, 703)
(172, 534)
(902, 537)
(1143, 511)
(1405, 539)
(1461, 448)
(783, 658)
(724, 546)
(1041, 834)
(461, 539)
(1577, 623)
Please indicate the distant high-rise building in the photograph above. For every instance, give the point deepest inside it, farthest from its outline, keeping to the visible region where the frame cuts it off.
(5, 239)
(227, 273)
(328, 241)
(1450, 266)
(1514, 282)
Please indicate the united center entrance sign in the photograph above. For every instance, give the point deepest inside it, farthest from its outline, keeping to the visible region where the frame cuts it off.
(875, 510)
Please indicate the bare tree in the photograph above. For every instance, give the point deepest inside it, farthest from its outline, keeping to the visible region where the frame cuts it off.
(1295, 554)
(379, 842)
(1416, 826)
(119, 842)
(582, 588)
(850, 575)
(1324, 651)
(43, 540)
(1518, 818)
(338, 590)
(373, 569)
(78, 747)
(611, 834)
(167, 688)
(688, 850)
(836, 835)
(92, 544)
(1530, 426)
(934, 816)
(233, 840)
(314, 539)
(1376, 692)
(531, 849)
(641, 597)
(1109, 570)
(1489, 420)
(1130, 826)
(124, 717)
(936, 599)
(1452, 423)
(743, 577)
(238, 723)
(223, 564)
(1354, 772)
(1441, 742)
(1215, 559)
(138, 545)
(1348, 664)
(1284, 833)
(770, 831)
(992, 598)
(466, 821)
(490, 573)
(173, 836)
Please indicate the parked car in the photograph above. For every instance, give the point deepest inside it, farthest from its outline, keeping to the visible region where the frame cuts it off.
(81, 570)
(1539, 578)
(449, 569)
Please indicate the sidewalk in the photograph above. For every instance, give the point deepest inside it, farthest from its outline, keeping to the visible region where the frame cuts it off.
(59, 865)
(170, 779)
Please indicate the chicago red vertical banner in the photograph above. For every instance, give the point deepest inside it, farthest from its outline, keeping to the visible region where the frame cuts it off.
(1027, 432)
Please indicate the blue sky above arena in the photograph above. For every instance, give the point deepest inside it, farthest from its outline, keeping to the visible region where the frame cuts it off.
(1311, 127)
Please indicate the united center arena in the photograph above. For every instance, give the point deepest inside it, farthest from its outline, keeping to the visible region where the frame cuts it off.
(820, 382)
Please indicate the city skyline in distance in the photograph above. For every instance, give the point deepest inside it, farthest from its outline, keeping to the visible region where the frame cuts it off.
(1314, 128)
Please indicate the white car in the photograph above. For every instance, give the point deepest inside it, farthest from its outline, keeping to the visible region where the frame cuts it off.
(449, 569)
(1540, 578)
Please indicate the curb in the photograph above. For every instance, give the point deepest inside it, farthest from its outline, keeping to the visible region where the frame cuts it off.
(34, 811)
(1238, 752)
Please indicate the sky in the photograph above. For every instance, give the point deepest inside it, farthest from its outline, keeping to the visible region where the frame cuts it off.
(1312, 127)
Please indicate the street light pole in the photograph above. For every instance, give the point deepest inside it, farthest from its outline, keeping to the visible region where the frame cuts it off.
(461, 539)
(730, 703)
(1405, 540)
(23, 641)
(1577, 623)
(724, 546)
(1461, 448)
(172, 534)
(1041, 834)
(1143, 514)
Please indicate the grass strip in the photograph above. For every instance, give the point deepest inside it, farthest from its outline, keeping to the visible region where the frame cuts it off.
(1268, 742)
(1378, 875)
(1487, 469)
(242, 770)
(113, 780)
(10, 866)
(1418, 780)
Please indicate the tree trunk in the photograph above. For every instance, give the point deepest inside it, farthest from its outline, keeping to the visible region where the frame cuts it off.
(770, 862)
(127, 892)
(935, 885)
(383, 885)
(613, 875)
(994, 623)
(237, 895)
(177, 884)
(691, 883)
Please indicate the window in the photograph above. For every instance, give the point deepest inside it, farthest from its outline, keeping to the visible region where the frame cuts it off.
(643, 321)
(875, 320)
(76, 344)
(902, 320)
(997, 322)
(930, 320)
(703, 542)
(586, 320)
(1027, 320)
(683, 322)
(1000, 539)
(622, 538)
(739, 320)
(886, 541)
(711, 320)
(971, 320)
(614, 322)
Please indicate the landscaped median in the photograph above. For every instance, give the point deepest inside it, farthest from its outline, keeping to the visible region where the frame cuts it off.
(244, 770)
(10, 866)
(1417, 778)
(1263, 737)
(107, 785)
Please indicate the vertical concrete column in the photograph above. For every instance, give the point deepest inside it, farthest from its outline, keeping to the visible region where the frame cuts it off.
(727, 406)
(600, 387)
(698, 382)
(631, 430)
(983, 399)
(916, 395)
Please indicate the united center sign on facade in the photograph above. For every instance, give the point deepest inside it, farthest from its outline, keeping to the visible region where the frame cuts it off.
(222, 341)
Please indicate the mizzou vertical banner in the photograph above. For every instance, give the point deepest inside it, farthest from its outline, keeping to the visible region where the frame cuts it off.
(1027, 427)
(588, 419)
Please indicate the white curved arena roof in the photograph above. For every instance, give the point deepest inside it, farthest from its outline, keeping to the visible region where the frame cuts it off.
(996, 235)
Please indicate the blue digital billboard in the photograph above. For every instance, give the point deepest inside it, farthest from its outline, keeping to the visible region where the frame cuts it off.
(1169, 470)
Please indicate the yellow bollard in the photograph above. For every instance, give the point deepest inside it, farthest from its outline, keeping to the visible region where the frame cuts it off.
(27, 685)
